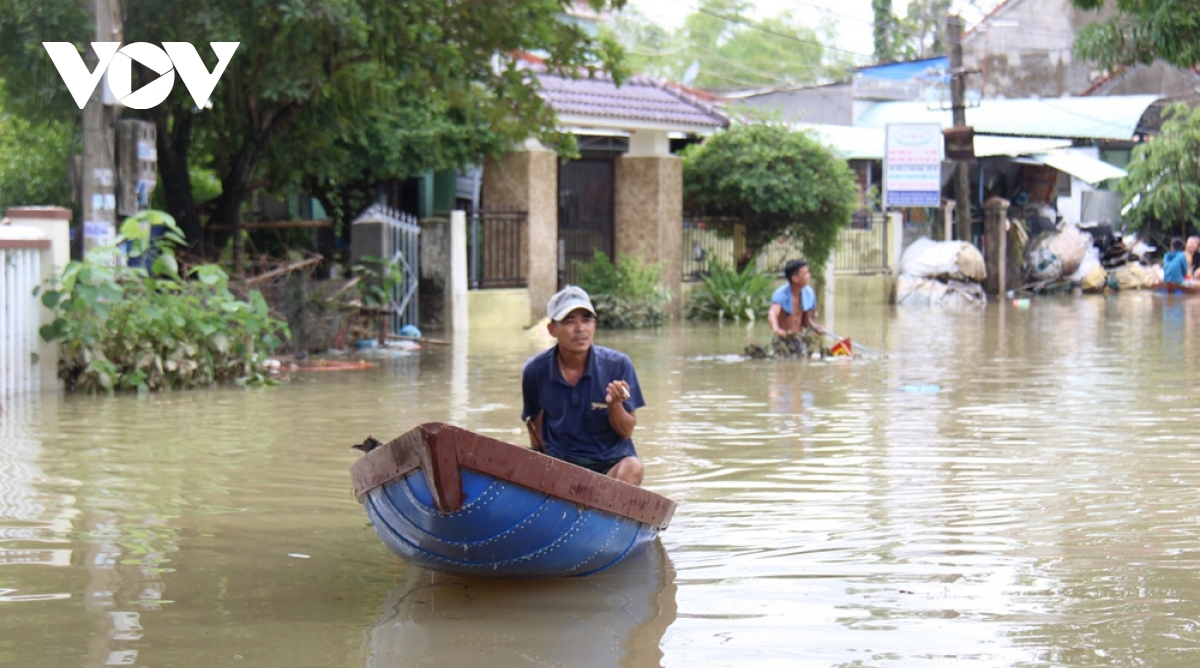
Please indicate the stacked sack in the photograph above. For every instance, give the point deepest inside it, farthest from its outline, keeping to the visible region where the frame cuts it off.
(944, 273)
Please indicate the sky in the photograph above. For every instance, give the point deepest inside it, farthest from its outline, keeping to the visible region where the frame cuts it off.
(854, 18)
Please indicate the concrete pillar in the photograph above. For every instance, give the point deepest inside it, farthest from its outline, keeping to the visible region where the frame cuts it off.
(54, 224)
(995, 242)
(456, 285)
(648, 213)
(830, 291)
(527, 180)
(895, 239)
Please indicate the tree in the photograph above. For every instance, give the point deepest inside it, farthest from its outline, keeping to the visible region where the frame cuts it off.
(720, 47)
(885, 29)
(1163, 186)
(342, 71)
(774, 181)
(36, 152)
(1142, 31)
(920, 34)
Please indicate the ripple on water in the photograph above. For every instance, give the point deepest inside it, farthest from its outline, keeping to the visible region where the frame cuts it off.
(1037, 509)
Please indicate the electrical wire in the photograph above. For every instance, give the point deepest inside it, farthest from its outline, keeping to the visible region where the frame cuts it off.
(753, 26)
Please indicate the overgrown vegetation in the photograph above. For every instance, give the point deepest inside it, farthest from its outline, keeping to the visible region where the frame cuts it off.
(775, 182)
(722, 45)
(728, 293)
(1141, 31)
(332, 314)
(334, 97)
(124, 326)
(629, 293)
(1163, 186)
(36, 151)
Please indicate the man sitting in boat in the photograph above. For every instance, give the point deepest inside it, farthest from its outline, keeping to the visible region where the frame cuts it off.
(1175, 264)
(793, 305)
(580, 398)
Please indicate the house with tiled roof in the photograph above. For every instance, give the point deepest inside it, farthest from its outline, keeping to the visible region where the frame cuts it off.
(622, 195)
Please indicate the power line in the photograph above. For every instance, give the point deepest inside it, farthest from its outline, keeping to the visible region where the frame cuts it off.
(704, 53)
(749, 24)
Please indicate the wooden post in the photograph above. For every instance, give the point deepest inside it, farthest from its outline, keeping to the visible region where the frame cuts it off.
(98, 193)
(995, 241)
(958, 110)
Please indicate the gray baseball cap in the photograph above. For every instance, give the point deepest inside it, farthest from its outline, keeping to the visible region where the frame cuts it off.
(566, 300)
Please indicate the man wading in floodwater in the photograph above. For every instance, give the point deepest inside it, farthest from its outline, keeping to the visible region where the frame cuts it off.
(580, 398)
(793, 306)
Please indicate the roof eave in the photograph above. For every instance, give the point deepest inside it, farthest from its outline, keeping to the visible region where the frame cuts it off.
(632, 125)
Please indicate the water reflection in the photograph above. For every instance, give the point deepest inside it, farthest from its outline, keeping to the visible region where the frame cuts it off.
(1030, 499)
(615, 618)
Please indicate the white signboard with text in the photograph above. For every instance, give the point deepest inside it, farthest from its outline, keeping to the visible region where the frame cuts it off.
(912, 165)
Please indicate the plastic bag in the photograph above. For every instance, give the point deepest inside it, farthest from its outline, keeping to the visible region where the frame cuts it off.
(1095, 279)
(959, 260)
(920, 290)
(1056, 255)
(1091, 260)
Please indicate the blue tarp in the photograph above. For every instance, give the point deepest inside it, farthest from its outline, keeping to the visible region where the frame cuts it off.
(929, 69)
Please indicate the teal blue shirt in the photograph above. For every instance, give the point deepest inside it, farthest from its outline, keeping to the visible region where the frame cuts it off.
(1174, 267)
(783, 297)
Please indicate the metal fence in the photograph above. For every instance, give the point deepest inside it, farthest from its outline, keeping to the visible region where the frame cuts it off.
(861, 248)
(399, 242)
(703, 247)
(18, 318)
(496, 240)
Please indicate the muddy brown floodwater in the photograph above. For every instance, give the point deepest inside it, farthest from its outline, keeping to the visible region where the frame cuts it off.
(1008, 487)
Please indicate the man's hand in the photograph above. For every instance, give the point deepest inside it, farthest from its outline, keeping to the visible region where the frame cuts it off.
(534, 425)
(616, 392)
(621, 420)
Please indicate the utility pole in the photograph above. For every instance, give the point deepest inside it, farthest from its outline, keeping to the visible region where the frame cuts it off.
(98, 193)
(958, 108)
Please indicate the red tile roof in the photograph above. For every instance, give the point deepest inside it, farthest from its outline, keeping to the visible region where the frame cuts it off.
(638, 98)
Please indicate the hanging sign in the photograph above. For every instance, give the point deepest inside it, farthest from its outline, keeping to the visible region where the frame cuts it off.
(912, 165)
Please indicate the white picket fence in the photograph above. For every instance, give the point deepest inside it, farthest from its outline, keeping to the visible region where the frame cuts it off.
(19, 275)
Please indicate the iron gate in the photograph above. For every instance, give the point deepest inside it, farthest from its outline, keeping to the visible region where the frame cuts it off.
(585, 214)
(393, 236)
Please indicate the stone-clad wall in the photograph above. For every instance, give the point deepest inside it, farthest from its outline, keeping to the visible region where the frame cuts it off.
(649, 213)
(528, 181)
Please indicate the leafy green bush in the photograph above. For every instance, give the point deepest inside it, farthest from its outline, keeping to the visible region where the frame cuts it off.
(773, 181)
(129, 327)
(629, 293)
(727, 293)
(36, 154)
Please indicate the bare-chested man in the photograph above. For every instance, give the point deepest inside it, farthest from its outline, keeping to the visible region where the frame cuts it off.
(794, 303)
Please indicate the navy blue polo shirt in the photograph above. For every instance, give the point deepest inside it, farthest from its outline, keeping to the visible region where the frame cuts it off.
(576, 422)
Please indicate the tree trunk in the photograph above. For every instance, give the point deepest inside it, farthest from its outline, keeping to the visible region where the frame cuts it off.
(235, 184)
(173, 141)
(235, 187)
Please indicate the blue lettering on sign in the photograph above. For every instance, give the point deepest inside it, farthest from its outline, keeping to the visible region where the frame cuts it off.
(913, 198)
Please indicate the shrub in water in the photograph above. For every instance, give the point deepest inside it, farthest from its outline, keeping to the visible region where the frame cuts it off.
(629, 293)
(728, 293)
(121, 325)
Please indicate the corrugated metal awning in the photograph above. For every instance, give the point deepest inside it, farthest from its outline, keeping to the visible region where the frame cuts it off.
(1083, 167)
(1111, 117)
(855, 143)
